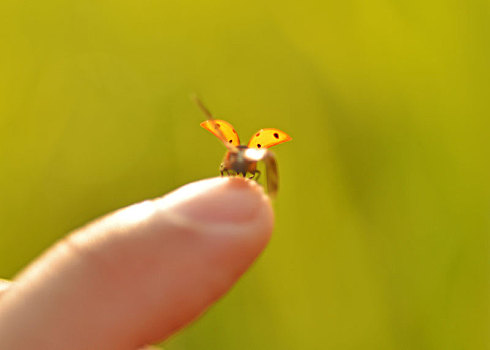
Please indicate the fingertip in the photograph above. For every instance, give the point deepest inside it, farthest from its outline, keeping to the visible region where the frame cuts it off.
(4, 285)
(233, 212)
(221, 200)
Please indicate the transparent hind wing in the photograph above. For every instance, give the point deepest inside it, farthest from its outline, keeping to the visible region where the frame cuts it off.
(272, 174)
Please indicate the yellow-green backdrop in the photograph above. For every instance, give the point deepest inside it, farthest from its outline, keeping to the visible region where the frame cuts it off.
(383, 218)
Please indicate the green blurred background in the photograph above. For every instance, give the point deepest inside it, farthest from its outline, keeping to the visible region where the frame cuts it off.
(383, 217)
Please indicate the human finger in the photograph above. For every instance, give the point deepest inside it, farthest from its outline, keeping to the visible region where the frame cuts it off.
(136, 276)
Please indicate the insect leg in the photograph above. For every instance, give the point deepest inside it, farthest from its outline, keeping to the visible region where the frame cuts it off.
(256, 172)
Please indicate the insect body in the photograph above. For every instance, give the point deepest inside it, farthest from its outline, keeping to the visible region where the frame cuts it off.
(242, 159)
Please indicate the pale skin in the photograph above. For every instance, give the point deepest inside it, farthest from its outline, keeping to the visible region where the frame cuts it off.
(136, 276)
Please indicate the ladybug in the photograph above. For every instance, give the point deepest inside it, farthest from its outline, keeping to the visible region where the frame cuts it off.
(242, 159)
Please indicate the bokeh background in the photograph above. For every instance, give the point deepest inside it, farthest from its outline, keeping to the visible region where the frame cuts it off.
(382, 236)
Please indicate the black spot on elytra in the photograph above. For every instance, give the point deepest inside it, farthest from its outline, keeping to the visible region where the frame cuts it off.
(259, 145)
(218, 125)
(230, 141)
(276, 135)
